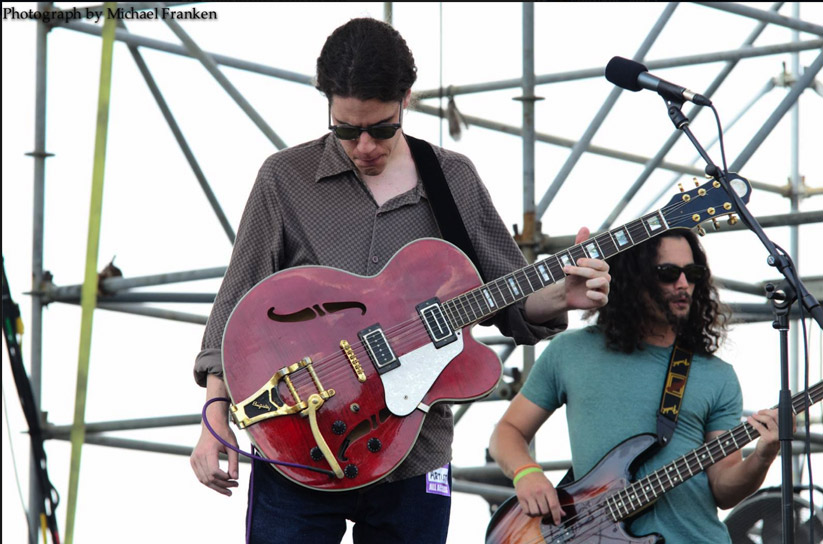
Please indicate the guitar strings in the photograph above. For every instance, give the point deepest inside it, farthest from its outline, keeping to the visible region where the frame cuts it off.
(747, 434)
(337, 364)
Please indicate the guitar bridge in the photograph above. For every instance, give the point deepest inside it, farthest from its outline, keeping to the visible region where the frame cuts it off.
(265, 403)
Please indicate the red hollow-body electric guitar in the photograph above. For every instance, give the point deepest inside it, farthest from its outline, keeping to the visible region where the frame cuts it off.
(336, 371)
(598, 504)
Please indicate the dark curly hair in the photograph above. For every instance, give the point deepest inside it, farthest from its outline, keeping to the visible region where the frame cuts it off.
(625, 320)
(366, 59)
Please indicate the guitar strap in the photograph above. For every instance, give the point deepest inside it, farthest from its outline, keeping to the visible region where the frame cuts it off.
(441, 199)
(673, 389)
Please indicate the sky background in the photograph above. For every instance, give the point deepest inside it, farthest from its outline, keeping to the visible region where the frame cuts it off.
(156, 219)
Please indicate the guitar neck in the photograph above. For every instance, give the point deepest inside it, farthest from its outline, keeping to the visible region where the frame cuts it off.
(643, 492)
(484, 301)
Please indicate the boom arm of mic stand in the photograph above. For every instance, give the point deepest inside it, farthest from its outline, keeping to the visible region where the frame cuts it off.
(776, 258)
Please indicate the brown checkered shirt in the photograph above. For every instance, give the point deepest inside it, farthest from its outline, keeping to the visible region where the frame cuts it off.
(309, 207)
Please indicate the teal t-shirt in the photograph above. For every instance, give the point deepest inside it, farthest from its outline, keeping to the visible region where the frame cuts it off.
(611, 396)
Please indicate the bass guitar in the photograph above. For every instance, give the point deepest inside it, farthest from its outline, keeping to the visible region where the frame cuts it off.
(599, 504)
(336, 372)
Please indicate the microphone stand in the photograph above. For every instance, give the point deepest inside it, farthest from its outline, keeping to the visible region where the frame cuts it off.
(781, 300)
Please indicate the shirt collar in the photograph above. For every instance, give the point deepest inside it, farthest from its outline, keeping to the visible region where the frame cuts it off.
(334, 159)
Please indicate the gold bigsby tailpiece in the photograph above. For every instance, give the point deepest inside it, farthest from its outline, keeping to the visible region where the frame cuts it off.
(266, 403)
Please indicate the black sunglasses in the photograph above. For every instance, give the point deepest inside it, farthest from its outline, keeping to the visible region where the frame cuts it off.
(670, 273)
(380, 131)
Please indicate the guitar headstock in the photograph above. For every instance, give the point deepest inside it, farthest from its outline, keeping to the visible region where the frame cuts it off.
(706, 202)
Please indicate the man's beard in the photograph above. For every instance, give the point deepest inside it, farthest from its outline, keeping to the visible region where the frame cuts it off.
(678, 323)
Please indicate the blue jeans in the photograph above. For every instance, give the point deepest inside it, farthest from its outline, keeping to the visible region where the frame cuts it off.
(282, 512)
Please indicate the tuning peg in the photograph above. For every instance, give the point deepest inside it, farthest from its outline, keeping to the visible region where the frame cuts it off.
(732, 219)
(680, 186)
(714, 223)
(696, 183)
(700, 231)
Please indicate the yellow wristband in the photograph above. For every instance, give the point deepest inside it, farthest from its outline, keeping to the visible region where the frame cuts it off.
(524, 472)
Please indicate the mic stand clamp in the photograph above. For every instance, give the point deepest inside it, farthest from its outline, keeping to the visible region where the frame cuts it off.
(782, 300)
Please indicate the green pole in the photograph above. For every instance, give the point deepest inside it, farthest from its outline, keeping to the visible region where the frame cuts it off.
(89, 293)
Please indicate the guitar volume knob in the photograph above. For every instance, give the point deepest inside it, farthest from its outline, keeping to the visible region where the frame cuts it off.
(374, 445)
(338, 427)
(316, 454)
(350, 471)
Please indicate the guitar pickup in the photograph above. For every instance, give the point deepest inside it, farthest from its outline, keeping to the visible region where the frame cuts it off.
(431, 312)
(377, 345)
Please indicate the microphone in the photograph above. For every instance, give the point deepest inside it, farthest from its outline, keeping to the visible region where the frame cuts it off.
(633, 76)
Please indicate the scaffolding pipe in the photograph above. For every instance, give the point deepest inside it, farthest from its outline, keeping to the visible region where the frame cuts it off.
(181, 141)
(582, 144)
(36, 499)
(211, 66)
(766, 16)
(588, 73)
(596, 150)
(799, 86)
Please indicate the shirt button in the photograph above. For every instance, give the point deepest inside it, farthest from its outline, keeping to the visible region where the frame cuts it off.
(374, 259)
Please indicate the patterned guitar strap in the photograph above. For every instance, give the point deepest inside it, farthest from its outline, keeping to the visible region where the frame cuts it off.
(673, 389)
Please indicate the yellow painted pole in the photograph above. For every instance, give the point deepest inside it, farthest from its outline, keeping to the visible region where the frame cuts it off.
(88, 299)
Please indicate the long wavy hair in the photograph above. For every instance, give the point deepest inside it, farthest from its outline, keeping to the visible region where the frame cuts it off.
(626, 320)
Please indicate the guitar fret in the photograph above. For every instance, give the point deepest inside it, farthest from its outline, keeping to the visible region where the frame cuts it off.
(662, 487)
(719, 443)
(637, 231)
(480, 302)
(622, 238)
(520, 282)
(536, 278)
(577, 253)
(709, 451)
(629, 497)
(746, 428)
(545, 272)
(593, 249)
(663, 219)
(697, 458)
(669, 476)
(556, 268)
(666, 472)
(511, 287)
(502, 300)
(652, 223)
(611, 510)
(688, 466)
(607, 245)
(677, 470)
(643, 489)
(736, 447)
(565, 259)
(448, 308)
(464, 312)
(490, 303)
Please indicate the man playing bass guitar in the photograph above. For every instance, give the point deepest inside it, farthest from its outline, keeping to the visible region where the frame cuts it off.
(610, 377)
(350, 200)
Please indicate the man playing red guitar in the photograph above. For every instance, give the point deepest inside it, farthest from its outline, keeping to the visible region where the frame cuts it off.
(610, 377)
(350, 200)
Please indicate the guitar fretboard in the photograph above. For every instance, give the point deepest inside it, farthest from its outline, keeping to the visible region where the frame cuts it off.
(643, 492)
(484, 301)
